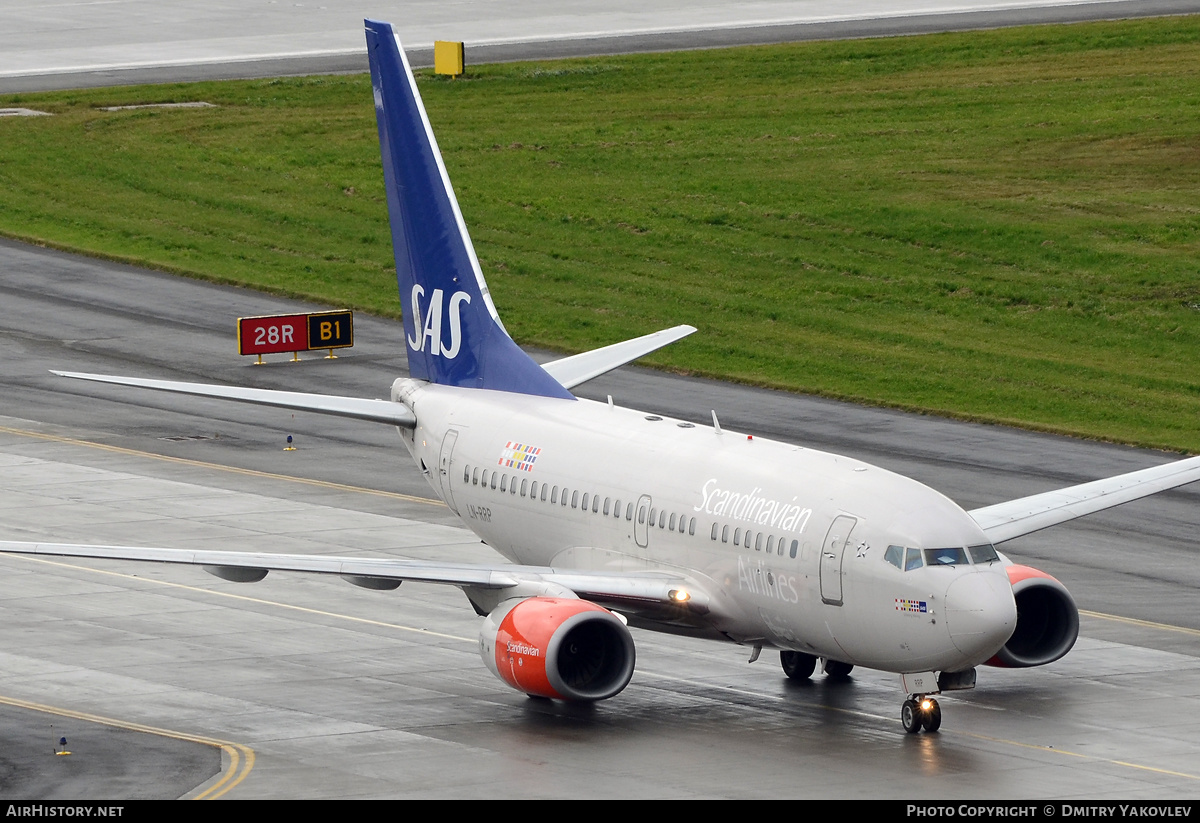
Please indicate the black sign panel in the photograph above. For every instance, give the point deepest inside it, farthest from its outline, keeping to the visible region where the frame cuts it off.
(331, 330)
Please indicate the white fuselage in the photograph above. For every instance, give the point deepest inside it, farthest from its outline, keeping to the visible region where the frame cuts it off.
(787, 543)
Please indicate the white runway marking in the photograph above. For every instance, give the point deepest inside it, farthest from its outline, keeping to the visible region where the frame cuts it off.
(38, 39)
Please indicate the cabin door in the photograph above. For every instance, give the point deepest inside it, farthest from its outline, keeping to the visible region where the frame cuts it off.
(833, 550)
(444, 475)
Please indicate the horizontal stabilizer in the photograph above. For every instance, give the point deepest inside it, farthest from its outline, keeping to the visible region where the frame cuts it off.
(1005, 521)
(580, 368)
(377, 411)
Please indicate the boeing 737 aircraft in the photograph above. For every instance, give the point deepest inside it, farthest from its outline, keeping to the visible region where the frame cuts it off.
(613, 518)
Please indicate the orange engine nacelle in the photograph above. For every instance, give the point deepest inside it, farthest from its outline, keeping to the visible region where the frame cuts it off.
(1047, 621)
(558, 647)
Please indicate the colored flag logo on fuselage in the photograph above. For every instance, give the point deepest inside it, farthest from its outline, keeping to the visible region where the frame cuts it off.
(519, 456)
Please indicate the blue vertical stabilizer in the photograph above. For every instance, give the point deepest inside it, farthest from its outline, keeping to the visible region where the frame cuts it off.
(454, 335)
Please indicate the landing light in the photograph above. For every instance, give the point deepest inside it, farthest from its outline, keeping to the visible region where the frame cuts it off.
(679, 595)
(926, 704)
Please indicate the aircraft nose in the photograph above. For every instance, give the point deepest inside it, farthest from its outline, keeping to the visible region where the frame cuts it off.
(981, 613)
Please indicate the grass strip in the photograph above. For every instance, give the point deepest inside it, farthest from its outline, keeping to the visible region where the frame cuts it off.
(999, 226)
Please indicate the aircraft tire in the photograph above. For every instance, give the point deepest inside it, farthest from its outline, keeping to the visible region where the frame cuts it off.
(838, 669)
(910, 716)
(797, 665)
(932, 721)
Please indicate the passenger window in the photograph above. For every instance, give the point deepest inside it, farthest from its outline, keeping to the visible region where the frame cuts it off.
(595, 503)
(466, 474)
(692, 526)
(912, 559)
(641, 514)
(895, 556)
(512, 487)
(504, 482)
(737, 537)
(714, 531)
(795, 545)
(564, 496)
(585, 501)
(725, 534)
(544, 490)
(758, 543)
(607, 508)
(575, 499)
(524, 486)
(475, 478)
(653, 515)
(494, 480)
(533, 490)
(672, 521)
(662, 519)
(628, 511)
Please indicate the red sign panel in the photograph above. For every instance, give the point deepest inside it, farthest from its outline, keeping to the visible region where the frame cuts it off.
(276, 333)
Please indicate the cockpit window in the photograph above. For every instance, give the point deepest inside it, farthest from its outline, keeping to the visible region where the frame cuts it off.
(946, 557)
(912, 559)
(895, 556)
(983, 554)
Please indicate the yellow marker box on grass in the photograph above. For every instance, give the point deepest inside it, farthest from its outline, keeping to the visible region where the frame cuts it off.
(447, 57)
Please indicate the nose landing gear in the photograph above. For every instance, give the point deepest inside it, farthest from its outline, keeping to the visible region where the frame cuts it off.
(920, 711)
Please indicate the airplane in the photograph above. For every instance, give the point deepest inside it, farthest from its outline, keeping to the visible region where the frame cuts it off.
(610, 517)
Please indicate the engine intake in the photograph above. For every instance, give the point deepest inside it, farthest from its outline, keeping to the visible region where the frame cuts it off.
(558, 647)
(1047, 621)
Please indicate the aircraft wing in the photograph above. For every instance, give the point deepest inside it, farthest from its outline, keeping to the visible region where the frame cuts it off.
(1005, 521)
(580, 368)
(637, 591)
(376, 411)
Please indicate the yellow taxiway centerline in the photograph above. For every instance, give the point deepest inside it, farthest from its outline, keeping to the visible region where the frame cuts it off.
(241, 757)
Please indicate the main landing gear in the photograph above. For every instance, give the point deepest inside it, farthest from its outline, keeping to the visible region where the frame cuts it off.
(837, 669)
(921, 712)
(800, 666)
(797, 665)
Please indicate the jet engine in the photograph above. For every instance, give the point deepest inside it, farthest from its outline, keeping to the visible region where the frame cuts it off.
(558, 647)
(1047, 620)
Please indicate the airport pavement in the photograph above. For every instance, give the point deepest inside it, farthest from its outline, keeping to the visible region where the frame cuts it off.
(326, 690)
